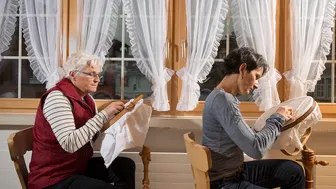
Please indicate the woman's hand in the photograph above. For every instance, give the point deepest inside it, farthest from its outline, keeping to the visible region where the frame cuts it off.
(114, 108)
(286, 111)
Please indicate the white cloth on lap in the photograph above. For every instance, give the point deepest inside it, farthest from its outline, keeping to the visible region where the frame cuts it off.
(128, 132)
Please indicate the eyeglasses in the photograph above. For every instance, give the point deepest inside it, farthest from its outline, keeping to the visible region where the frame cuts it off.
(92, 74)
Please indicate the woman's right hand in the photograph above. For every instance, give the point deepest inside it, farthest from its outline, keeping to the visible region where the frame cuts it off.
(286, 112)
(114, 108)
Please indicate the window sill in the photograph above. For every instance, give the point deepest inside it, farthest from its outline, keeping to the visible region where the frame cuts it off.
(248, 109)
(178, 122)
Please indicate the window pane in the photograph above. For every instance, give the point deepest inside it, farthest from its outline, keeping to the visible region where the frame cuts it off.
(115, 50)
(108, 85)
(128, 51)
(24, 47)
(213, 79)
(329, 56)
(135, 82)
(30, 86)
(228, 39)
(227, 44)
(8, 78)
(13, 49)
(127, 45)
(223, 45)
(14, 43)
(322, 92)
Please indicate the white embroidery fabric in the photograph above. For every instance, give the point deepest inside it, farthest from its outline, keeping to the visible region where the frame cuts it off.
(128, 132)
(290, 139)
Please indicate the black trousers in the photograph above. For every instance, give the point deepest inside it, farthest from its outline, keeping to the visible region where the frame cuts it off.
(121, 173)
(263, 174)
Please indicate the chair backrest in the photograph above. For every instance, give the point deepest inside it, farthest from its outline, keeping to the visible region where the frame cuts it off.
(19, 143)
(200, 160)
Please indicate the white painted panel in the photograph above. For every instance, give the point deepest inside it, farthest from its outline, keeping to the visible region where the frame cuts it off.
(324, 187)
(172, 170)
(165, 185)
(4, 134)
(326, 180)
(169, 177)
(326, 171)
(159, 157)
(165, 168)
(9, 179)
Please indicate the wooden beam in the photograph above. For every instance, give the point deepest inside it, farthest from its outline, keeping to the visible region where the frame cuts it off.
(279, 51)
(73, 34)
(64, 46)
(288, 49)
(170, 37)
(179, 34)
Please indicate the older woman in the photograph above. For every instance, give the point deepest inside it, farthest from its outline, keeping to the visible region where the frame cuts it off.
(65, 124)
(227, 135)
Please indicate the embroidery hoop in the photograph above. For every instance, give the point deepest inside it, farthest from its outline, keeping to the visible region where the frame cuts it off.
(123, 112)
(305, 136)
(307, 112)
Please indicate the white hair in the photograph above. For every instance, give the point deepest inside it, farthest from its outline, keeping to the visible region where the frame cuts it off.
(80, 61)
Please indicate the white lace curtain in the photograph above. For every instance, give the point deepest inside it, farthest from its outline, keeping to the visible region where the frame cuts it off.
(254, 26)
(205, 29)
(311, 36)
(98, 21)
(146, 23)
(41, 30)
(8, 9)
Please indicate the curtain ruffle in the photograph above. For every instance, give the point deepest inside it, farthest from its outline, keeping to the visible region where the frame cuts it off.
(326, 39)
(190, 92)
(7, 29)
(112, 27)
(159, 89)
(245, 23)
(98, 23)
(238, 25)
(47, 69)
(216, 42)
(153, 65)
(131, 29)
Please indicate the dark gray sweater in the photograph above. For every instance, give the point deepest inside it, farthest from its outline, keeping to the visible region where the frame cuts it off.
(227, 135)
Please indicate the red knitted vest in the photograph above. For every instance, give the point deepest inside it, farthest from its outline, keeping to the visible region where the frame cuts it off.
(50, 163)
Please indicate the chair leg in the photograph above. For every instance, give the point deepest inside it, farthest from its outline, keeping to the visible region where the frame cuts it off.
(309, 161)
(145, 154)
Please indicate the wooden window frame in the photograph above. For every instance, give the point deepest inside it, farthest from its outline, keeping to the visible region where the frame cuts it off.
(176, 33)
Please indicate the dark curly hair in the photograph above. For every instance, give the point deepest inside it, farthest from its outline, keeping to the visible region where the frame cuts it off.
(242, 55)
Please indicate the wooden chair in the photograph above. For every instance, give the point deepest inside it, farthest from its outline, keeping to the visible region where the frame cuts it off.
(200, 161)
(18, 144)
(21, 142)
